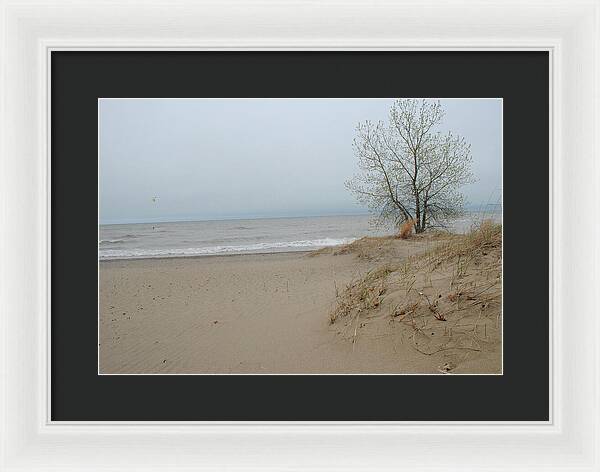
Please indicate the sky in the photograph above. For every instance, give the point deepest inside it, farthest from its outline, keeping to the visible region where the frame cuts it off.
(205, 159)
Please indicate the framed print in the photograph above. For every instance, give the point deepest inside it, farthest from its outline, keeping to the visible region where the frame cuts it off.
(320, 248)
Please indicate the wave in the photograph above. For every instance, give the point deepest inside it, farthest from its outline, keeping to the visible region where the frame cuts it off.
(122, 239)
(112, 241)
(281, 246)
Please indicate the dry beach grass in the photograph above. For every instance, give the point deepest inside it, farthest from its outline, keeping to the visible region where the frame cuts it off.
(448, 298)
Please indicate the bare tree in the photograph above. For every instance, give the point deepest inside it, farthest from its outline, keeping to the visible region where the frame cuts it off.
(409, 170)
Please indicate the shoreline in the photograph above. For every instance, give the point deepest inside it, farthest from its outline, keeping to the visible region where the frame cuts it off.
(283, 245)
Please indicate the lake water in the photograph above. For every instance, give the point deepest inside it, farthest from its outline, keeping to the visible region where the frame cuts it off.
(201, 238)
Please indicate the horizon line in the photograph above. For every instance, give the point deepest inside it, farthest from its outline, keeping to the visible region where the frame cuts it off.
(473, 207)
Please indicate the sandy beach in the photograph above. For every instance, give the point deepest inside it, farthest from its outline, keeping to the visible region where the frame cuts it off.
(272, 314)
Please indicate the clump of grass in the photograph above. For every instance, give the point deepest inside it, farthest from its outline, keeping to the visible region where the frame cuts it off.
(367, 242)
(365, 248)
(482, 238)
(361, 294)
(406, 228)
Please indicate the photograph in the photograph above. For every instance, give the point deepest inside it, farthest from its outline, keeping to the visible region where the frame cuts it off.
(279, 237)
(300, 236)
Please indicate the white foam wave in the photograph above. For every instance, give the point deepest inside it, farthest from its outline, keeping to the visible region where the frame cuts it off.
(281, 246)
(118, 240)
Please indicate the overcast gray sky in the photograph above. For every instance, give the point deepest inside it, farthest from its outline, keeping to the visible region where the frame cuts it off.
(246, 158)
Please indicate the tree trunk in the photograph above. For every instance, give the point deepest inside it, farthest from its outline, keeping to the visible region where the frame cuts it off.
(424, 222)
(418, 227)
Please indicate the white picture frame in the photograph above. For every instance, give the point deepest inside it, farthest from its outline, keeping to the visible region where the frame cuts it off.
(568, 29)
